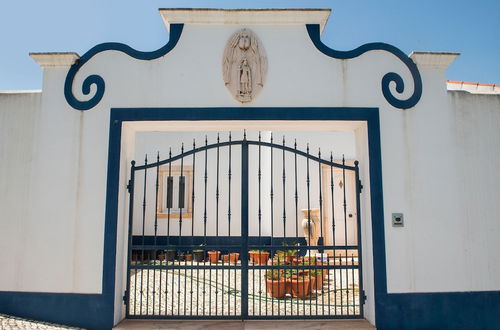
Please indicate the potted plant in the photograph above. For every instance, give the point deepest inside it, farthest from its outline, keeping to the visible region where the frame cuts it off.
(300, 284)
(276, 283)
(316, 279)
(189, 256)
(170, 254)
(258, 257)
(233, 257)
(181, 256)
(251, 256)
(161, 256)
(213, 256)
(287, 254)
(199, 254)
(225, 258)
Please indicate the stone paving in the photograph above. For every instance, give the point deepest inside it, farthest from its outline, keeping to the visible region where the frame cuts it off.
(14, 323)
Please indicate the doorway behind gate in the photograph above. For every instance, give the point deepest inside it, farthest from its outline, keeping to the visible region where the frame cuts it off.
(243, 226)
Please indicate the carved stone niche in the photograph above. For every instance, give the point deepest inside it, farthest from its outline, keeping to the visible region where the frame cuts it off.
(244, 65)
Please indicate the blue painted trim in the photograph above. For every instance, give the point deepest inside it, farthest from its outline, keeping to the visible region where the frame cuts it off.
(80, 310)
(446, 310)
(98, 81)
(314, 33)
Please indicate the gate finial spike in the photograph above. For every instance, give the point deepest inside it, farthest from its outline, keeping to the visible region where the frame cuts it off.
(229, 136)
(283, 140)
(295, 144)
(319, 152)
(331, 156)
(259, 136)
(146, 158)
(307, 148)
(271, 137)
(133, 163)
(157, 156)
(182, 148)
(170, 152)
(244, 134)
(218, 137)
(206, 140)
(356, 163)
(343, 159)
(194, 143)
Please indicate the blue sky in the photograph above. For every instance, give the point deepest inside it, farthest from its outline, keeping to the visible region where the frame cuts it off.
(469, 27)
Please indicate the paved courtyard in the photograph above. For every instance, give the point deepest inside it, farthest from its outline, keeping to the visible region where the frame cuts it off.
(14, 323)
(211, 292)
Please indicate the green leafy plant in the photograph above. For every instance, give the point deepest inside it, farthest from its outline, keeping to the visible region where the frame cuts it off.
(274, 274)
(199, 250)
(288, 251)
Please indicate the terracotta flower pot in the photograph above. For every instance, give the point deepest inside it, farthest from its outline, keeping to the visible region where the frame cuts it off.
(199, 256)
(261, 258)
(213, 256)
(225, 258)
(252, 256)
(189, 257)
(258, 257)
(170, 255)
(284, 259)
(233, 257)
(317, 282)
(276, 288)
(301, 287)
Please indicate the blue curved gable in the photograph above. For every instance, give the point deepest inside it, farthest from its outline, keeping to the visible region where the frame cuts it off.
(175, 34)
(314, 33)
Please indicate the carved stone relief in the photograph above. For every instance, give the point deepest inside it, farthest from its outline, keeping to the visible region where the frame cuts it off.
(244, 65)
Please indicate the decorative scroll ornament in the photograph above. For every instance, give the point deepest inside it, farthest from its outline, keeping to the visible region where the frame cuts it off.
(244, 65)
(391, 77)
(97, 80)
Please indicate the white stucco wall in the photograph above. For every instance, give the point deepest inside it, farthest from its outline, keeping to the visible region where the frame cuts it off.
(18, 118)
(438, 160)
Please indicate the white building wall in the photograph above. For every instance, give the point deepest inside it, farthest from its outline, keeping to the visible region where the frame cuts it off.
(475, 123)
(18, 122)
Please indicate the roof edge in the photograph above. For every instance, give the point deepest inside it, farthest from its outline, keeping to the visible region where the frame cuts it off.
(272, 16)
(55, 59)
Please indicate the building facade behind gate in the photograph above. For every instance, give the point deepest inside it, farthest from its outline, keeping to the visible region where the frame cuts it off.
(424, 189)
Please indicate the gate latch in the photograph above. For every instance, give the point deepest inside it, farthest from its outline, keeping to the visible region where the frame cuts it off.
(129, 185)
(125, 297)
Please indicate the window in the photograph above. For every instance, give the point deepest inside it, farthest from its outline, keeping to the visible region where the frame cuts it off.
(175, 191)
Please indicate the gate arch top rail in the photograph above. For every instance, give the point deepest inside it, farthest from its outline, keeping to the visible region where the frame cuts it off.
(248, 142)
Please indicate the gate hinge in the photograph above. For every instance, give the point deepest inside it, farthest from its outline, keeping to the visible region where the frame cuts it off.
(363, 298)
(360, 185)
(125, 300)
(129, 185)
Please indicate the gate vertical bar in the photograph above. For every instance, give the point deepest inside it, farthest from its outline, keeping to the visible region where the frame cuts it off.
(142, 242)
(156, 232)
(192, 227)
(358, 229)
(244, 229)
(130, 225)
(345, 236)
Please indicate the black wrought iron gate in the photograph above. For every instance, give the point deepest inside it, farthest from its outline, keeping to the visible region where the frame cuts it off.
(216, 232)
